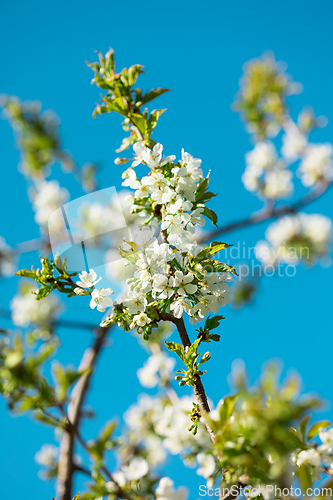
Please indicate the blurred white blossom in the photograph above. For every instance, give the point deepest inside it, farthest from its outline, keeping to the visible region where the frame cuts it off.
(316, 164)
(166, 490)
(158, 367)
(27, 310)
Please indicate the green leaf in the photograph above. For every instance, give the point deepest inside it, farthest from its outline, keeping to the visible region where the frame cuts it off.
(305, 477)
(205, 197)
(77, 497)
(27, 273)
(302, 426)
(107, 432)
(153, 119)
(129, 256)
(43, 292)
(212, 323)
(202, 188)
(45, 419)
(211, 215)
(315, 428)
(140, 122)
(150, 96)
(211, 250)
(193, 348)
(214, 266)
(177, 348)
(227, 407)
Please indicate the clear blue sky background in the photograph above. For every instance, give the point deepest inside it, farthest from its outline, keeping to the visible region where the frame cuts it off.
(197, 49)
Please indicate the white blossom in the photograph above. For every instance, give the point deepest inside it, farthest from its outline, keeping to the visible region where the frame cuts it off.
(296, 237)
(135, 303)
(183, 283)
(263, 155)
(278, 184)
(180, 305)
(293, 142)
(140, 320)
(316, 164)
(27, 310)
(47, 199)
(166, 490)
(162, 284)
(207, 463)
(100, 299)
(310, 456)
(158, 367)
(87, 280)
(136, 469)
(47, 455)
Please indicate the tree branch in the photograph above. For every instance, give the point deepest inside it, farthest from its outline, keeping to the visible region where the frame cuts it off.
(199, 389)
(270, 213)
(66, 466)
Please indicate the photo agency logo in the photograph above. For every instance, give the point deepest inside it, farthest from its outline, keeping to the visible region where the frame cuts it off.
(88, 230)
(263, 260)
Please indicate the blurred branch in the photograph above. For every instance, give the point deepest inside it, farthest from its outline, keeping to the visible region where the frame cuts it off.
(66, 323)
(66, 466)
(267, 214)
(29, 246)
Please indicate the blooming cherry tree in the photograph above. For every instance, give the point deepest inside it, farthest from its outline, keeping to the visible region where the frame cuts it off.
(172, 279)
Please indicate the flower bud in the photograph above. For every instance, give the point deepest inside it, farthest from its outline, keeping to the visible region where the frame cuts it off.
(120, 161)
(58, 261)
(81, 291)
(206, 357)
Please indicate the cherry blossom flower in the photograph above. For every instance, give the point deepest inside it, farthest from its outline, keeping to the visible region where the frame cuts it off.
(101, 299)
(183, 282)
(88, 279)
(166, 491)
(136, 469)
(207, 463)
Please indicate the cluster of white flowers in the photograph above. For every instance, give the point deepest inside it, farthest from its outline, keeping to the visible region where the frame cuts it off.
(316, 164)
(136, 469)
(266, 174)
(175, 191)
(168, 424)
(95, 219)
(151, 282)
(48, 197)
(169, 188)
(26, 310)
(158, 368)
(296, 237)
(99, 298)
(316, 159)
(322, 455)
(98, 217)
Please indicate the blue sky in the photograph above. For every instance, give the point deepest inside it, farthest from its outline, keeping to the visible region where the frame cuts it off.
(197, 49)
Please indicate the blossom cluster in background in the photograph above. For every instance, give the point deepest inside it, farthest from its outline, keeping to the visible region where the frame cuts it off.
(293, 238)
